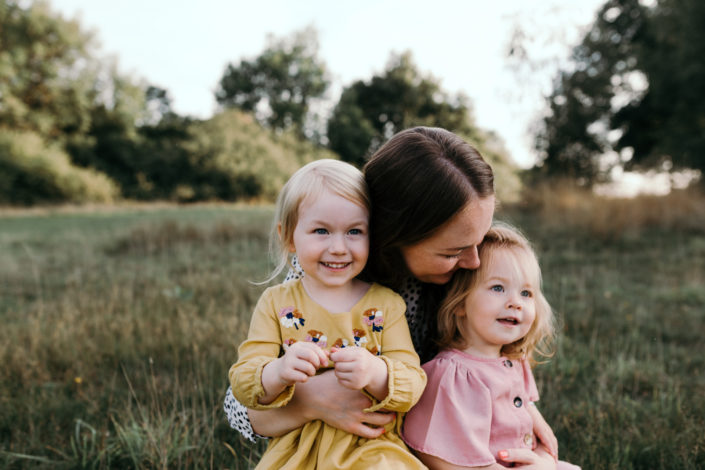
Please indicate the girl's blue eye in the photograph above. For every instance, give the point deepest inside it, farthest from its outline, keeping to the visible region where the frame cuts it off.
(355, 231)
(527, 293)
(320, 231)
(498, 288)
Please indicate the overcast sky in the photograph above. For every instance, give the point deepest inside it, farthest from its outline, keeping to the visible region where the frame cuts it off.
(184, 46)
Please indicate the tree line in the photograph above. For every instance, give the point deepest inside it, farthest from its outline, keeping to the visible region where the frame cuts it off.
(73, 128)
(633, 96)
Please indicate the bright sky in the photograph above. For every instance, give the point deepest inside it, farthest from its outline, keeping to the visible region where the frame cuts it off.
(184, 46)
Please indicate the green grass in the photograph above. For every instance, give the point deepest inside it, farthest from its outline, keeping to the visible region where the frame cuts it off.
(118, 329)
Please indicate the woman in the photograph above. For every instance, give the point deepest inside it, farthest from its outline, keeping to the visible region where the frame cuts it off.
(432, 198)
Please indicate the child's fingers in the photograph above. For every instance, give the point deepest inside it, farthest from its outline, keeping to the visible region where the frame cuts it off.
(346, 366)
(311, 353)
(294, 375)
(522, 456)
(346, 354)
(349, 381)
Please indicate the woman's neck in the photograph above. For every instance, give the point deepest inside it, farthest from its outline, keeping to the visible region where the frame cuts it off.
(338, 299)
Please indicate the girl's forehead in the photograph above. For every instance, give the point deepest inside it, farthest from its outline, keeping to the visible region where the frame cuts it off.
(326, 203)
(510, 261)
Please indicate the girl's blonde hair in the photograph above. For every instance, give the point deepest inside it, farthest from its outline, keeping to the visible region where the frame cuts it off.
(310, 181)
(451, 325)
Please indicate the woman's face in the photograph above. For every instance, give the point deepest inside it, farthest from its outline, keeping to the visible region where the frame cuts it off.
(453, 246)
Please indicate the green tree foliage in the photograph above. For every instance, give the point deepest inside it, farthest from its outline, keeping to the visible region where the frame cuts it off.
(370, 112)
(47, 78)
(53, 86)
(280, 84)
(635, 89)
(233, 158)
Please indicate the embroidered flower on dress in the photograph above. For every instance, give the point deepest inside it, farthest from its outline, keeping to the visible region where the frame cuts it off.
(360, 337)
(318, 338)
(288, 342)
(341, 343)
(291, 317)
(374, 318)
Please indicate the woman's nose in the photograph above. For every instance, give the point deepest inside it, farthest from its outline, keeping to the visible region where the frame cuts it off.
(469, 259)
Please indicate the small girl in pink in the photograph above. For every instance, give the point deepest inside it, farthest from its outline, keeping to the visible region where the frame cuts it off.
(478, 407)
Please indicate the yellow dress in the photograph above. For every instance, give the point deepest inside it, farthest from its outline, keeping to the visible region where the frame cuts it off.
(285, 314)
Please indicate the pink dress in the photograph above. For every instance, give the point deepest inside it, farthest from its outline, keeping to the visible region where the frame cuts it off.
(472, 408)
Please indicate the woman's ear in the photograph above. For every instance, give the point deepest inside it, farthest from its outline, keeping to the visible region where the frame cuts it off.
(290, 246)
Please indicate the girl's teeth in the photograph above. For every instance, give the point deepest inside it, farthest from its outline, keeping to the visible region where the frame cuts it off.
(335, 265)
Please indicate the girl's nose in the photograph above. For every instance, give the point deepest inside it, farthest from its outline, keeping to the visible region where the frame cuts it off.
(513, 303)
(337, 245)
(469, 259)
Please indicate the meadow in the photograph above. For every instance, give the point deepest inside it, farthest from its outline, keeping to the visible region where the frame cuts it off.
(119, 325)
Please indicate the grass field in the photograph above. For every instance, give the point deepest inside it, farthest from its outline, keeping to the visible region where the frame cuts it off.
(119, 326)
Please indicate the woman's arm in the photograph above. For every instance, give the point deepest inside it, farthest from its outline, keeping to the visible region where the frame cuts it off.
(543, 431)
(321, 397)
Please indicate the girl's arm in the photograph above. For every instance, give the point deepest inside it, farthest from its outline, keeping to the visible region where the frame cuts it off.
(297, 365)
(543, 431)
(524, 458)
(435, 463)
(395, 378)
(358, 369)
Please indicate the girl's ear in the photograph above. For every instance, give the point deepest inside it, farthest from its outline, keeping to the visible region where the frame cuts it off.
(290, 246)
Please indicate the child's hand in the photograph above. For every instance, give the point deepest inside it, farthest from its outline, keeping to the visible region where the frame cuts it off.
(543, 431)
(527, 459)
(301, 361)
(357, 368)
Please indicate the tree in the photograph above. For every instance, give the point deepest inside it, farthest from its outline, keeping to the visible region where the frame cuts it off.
(47, 73)
(370, 112)
(634, 92)
(280, 84)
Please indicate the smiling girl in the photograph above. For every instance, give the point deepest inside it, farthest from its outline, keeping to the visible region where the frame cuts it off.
(329, 319)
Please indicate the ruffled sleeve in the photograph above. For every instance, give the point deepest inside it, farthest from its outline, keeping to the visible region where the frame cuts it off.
(452, 420)
(262, 346)
(407, 379)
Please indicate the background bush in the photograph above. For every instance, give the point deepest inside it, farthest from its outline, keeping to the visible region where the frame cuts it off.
(32, 172)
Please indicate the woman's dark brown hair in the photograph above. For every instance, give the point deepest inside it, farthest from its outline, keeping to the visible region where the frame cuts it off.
(418, 181)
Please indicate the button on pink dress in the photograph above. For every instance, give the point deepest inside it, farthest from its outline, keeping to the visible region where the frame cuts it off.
(472, 408)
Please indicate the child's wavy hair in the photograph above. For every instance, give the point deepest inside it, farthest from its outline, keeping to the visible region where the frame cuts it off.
(539, 339)
(310, 181)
